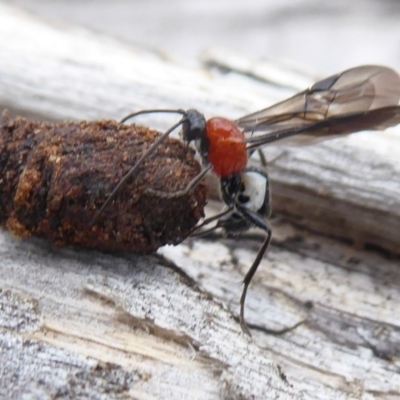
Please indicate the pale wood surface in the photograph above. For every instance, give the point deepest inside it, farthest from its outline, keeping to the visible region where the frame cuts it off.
(102, 326)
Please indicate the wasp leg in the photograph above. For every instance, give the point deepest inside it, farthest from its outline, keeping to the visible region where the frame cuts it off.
(261, 223)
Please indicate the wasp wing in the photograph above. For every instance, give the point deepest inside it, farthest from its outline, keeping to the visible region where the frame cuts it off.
(361, 98)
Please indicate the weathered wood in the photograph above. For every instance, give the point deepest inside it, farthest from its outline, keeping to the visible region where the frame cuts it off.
(101, 326)
(349, 300)
(104, 315)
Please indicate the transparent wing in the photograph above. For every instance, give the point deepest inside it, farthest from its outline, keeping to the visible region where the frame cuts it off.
(361, 98)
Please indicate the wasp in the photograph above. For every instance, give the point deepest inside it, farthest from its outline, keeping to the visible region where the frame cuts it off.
(361, 98)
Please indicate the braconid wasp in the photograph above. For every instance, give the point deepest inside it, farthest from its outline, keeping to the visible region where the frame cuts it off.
(360, 98)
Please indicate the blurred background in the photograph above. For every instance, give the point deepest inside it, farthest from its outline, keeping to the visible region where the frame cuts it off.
(318, 36)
